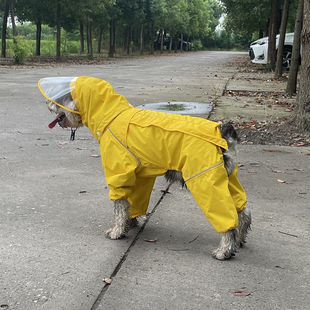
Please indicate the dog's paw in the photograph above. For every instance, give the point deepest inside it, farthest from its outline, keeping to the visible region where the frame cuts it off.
(240, 242)
(114, 234)
(222, 254)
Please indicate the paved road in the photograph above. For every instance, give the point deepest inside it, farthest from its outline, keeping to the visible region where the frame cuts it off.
(54, 208)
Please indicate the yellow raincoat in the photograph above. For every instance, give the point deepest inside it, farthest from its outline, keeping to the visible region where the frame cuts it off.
(138, 145)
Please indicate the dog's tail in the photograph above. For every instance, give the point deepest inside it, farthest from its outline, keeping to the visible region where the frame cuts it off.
(230, 156)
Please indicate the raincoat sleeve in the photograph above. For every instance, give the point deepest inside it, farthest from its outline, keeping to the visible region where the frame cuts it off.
(122, 175)
(236, 190)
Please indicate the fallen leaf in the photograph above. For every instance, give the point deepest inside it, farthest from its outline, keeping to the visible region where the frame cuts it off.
(107, 281)
(151, 240)
(239, 293)
(281, 181)
(300, 144)
(277, 171)
(63, 143)
(95, 155)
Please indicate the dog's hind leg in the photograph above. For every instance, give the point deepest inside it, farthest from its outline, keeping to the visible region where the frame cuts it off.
(245, 220)
(227, 246)
(122, 220)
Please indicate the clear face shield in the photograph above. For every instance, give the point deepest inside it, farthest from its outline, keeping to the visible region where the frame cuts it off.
(59, 90)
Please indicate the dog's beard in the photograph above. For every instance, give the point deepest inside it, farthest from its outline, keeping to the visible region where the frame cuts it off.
(64, 118)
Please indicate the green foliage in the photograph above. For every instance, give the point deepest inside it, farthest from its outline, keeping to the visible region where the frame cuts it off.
(196, 20)
(21, 49)
(196, 45)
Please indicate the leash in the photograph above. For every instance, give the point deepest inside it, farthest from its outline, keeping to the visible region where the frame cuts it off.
(72, 137)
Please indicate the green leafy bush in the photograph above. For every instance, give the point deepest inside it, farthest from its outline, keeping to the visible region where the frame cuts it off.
(21, 49)
(196, 45)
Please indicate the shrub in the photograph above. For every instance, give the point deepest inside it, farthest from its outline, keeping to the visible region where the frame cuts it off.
(21, 49)
(196, 45)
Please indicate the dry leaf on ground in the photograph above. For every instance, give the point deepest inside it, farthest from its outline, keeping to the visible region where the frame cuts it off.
(239, 293)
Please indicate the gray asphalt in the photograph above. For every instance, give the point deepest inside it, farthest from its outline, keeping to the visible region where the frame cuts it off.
(54, 207)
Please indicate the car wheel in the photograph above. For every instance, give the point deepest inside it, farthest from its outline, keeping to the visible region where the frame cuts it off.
(286, 58)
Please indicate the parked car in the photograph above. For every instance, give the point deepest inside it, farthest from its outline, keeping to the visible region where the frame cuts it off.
(259, 50)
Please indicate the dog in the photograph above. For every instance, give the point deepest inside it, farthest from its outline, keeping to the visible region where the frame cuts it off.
(124, 131)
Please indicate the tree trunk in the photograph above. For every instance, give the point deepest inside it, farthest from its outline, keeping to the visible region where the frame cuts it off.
(292, 77)
(301, 116)
(81, 37)
(142, 40)
(58, 58)
(90, 54)
(13, 20)
(152, 37)
(38, 38)
(4, 27)
(181, 48)
(112, 39)
(99, 40)
(271, 64)
(162, 41)
(176, 43)
(170, 43)
(279, 65)
(128, 40)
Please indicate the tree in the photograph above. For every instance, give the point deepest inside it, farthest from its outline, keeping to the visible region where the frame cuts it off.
(292, 77)
(301, 116)
(36, 11)
(272, 33)
(247, 16)
(4, 27)
(279, 64)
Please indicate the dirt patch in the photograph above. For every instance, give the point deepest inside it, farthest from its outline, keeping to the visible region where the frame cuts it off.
(279, 132)
(272, 133)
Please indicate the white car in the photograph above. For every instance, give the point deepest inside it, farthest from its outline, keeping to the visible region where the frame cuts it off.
(259, 50)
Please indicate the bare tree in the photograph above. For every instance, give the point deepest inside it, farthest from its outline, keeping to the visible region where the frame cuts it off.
(279, 64)
(292, 77)
(301, 116)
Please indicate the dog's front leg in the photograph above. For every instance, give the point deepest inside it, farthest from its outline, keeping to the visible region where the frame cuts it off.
(122, 220)
(227, 246)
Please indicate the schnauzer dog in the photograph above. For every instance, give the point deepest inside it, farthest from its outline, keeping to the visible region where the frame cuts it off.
(138, 145)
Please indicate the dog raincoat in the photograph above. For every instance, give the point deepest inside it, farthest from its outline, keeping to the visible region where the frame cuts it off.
(138, 145)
